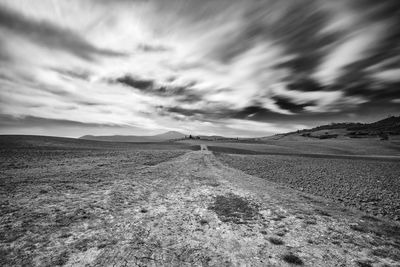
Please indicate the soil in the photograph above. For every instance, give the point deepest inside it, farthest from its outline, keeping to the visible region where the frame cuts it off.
(184, 209)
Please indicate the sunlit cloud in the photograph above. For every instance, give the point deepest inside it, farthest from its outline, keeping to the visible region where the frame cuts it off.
(351, 49)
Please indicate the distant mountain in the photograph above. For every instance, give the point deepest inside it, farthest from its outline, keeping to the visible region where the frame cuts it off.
(382, 129)
(171, 135)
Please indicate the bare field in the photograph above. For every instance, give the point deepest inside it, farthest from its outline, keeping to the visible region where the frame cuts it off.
(365, 147)
(51, 199)
(11, 142)
(172, 207)
(369, 185)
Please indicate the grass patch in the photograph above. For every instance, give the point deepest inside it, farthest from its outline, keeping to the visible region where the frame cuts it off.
(379, 228)
(203, 221)
(278, 217)
(144, 210)
(292, 259)
(233, 208)
(310, 222)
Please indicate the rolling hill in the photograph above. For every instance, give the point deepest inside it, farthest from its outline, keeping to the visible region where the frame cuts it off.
(383, 129)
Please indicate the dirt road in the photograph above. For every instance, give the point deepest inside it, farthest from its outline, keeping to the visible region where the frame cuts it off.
(194, 211)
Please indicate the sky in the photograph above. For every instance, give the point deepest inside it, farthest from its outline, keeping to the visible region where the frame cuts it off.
(216, 67)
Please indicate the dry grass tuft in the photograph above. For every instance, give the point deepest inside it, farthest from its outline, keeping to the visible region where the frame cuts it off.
(292, 259)
(276, 241)
(233, 208)
(363, 263)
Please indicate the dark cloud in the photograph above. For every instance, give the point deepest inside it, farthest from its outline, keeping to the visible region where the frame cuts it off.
(377, 10)
(184, 94)
(297, 30)
(364, 112)
(252, 111)
(305, 85)
(49, 35)
(211, 113)
(152, 48)
(183, 111)
(367, 112)
(288, 104)
(257, 113)
(191, 97)
(137, 83)
(388, 49)
(381, 92)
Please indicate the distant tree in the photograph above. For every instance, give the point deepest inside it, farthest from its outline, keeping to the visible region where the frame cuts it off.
(384, 136)
(190, 137)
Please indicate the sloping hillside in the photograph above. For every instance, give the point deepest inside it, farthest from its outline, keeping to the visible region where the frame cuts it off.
(383, 129)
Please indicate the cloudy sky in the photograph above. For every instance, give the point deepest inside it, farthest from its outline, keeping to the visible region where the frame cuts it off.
(230, 67)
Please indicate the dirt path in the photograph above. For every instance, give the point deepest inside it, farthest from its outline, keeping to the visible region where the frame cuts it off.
(194, 211)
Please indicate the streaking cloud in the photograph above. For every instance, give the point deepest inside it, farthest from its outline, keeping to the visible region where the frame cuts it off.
(213, 67)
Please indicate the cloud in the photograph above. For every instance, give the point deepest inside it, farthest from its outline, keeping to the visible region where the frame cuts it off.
(383, 91)
(349, 51)
(152, 48)
(204, 66)
(177, 93)
(389, 75)
(305, 85)
(73, 74)
(287, 104)
(135, 83)
(49, 35)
